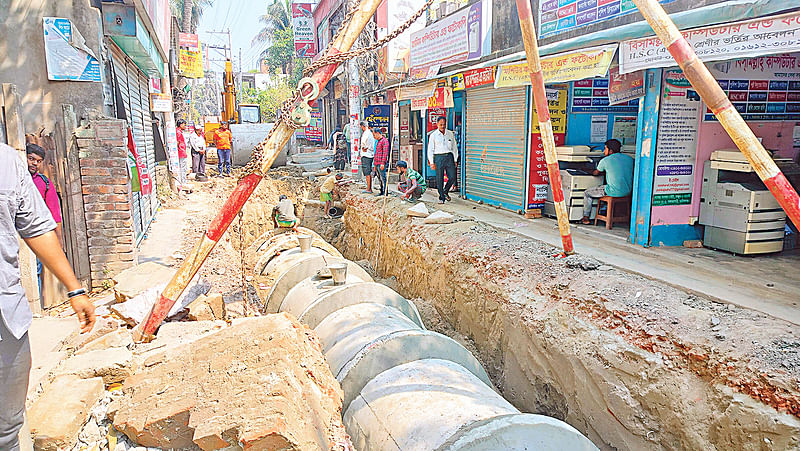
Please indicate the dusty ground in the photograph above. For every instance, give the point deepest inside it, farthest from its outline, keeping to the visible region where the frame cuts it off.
(634, 364)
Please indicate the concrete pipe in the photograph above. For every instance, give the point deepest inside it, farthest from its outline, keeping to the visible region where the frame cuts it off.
(311, 302)
(290, 245)
(267, 238)
(293, 269)
(368, 339)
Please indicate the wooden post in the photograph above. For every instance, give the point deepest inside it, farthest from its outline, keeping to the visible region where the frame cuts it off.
(270, 148)
(545, 125)
(73, 195)
(712, 94)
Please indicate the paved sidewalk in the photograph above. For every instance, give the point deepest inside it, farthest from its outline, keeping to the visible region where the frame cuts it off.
(769, 284)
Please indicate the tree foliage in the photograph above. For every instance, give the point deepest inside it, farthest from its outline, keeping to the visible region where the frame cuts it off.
(177, 7)
(269, 99)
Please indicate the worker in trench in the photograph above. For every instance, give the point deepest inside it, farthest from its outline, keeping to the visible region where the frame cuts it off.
(23, 212)
(284, 215)
(326, 191)
(412, 183)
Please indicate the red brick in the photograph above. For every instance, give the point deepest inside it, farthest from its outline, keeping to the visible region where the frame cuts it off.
(96, 189)
(95, 161)
(118, 171)
(99, 224)
(89, 171)
(124, 223)
(125, 240)
(92, 207)
(121, 189)
(107, 215)
(122, 206)
(103, 258)
(101, 241)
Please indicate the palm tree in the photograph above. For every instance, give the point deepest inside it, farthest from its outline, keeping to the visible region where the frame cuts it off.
(278, 18)
(189, 12)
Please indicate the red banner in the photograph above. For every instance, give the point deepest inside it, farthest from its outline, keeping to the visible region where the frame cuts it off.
(189, 41)
(141, 166)
(479, 77)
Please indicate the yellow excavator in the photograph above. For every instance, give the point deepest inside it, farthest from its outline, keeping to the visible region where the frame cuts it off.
(233, 112)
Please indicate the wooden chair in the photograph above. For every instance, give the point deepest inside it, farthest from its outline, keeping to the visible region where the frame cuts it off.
(618, 210)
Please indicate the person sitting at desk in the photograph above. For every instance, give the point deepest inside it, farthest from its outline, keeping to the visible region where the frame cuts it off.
(618, 168)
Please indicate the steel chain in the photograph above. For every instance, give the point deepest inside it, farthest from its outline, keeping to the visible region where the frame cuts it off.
(255, 165)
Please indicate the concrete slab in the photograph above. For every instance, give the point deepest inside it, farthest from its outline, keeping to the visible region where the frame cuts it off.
(46, 335)
(160, 243)
(57, 417)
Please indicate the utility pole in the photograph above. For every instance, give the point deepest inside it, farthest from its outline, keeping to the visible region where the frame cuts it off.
(355, 114)
(712, 94)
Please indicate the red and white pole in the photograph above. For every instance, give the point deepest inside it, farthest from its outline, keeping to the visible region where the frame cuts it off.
(545, 125)
(712, 94)
(270, 148)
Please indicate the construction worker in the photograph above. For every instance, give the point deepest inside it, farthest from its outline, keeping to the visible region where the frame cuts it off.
(223, 140)
(412, 183)
(24, 213)
(284, 215)
(326, 191)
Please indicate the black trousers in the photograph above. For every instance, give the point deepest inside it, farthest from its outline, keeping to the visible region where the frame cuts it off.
(445, 164)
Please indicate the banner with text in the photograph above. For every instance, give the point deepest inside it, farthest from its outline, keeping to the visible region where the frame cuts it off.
(190, 63)
(563, 67)
(676, 148)
(189, 41)
(560, 16)
(305, 46)
(724, 42)
(538, 180)
(624, 87)
(463, 36)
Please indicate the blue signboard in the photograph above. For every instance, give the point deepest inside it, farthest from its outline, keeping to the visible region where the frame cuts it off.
(558, 16)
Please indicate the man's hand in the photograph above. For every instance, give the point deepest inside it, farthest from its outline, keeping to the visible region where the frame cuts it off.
(85, 310)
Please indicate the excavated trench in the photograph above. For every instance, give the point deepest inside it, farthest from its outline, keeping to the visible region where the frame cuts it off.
(627, 361)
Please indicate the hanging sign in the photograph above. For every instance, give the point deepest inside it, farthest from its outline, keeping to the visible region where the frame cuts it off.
(725, 42)
(624, 87)
(419, 104)
(160, 103)
(305, 45)
(591, 96)
(569, 66)
(66, 54)
(313, 131)
(189, 41)
(379, 117)
(441, 98)
(676, 148)
(457, 82)
(560, 16)
(478, 77)
(191, 63)
(140, 178)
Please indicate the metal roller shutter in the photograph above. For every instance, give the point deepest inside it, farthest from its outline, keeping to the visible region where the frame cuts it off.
(147, 118)
(496, 146)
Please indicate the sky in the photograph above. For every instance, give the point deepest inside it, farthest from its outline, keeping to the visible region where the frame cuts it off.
(241, 17)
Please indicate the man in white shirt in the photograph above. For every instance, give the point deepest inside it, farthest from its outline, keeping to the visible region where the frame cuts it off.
(197, 142)
(442, 156)
(367, 146)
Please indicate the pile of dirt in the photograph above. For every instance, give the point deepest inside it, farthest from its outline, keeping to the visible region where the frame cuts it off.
(632, 363)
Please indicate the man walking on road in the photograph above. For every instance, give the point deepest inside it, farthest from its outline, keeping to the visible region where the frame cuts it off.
(381, 161)
(367, 146)
(223, 140)
(23, 212)
(442, 156)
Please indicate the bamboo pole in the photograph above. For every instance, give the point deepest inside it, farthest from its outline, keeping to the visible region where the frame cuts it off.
(712, 94)
(545, 125)
(271, 148)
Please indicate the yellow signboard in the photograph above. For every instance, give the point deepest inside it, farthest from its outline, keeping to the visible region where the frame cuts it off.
(191, 64)
(557, 97)
(570, 66)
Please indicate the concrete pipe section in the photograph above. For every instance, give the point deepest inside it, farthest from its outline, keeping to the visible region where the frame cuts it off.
(405, 387)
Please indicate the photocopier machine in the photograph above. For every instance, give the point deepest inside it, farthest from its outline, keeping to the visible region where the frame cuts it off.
(576, 164)
(739, 214)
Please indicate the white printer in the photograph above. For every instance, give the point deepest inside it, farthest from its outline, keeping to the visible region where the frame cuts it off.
(574, 181)
(739, 214)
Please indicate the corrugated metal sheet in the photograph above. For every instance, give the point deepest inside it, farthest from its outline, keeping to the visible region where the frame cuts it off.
(496, 146)
(147, 118)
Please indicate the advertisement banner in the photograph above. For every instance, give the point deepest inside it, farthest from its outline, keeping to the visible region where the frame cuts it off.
(66, 55)
(160, 103)
(313, 131)
(624, 87)
(559, 16)
(419, 104)
(478, 77)
(305, 46)
(140, 178)
(780, 34)
(766, 88)
(379, 117)
(191, 63)
(538, 180)
(189, 41)
(398, 49)
(591, 96)
(441, 98)
(457, 82)
(462, 36)
(569, 66)
(676, 146)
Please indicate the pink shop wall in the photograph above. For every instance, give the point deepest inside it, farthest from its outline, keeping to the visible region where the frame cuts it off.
(711, 137)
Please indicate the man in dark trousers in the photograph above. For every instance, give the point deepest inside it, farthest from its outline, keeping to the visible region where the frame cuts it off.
(381, 161)
(23, 213)
(442, 156)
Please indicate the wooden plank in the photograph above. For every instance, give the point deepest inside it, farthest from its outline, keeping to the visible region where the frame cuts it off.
(15, 128)
(74, 191)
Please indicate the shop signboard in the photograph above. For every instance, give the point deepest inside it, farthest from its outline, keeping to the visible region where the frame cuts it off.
(160, 103)
(569, 66)
(189, 41)
(557, 102)
(419, 104)
(559, 16)
(433, 116)
(478, 77)
(676, 148)
(155, 86)
(441, 98)
(442, 8)
(462, 36)
(457, 82)
(313, 131)
(746, 39)
(766, 88)
(379, 117)
(190, 63)
(624, 87)
(591, 96)
(66, 55)
(305, 45)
